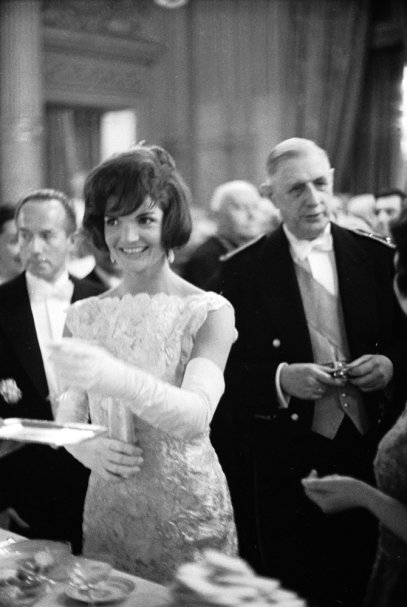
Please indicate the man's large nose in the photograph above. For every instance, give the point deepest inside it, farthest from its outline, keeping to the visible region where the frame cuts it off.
(36, 244)
(312, 193)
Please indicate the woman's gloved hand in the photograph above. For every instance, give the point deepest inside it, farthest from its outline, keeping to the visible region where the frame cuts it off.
(113, 460)
(85, 366)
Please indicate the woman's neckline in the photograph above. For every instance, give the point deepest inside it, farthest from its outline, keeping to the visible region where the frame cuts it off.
(146, 295)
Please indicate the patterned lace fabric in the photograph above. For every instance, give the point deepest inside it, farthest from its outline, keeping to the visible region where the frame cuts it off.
(388, 586)
(178, 503)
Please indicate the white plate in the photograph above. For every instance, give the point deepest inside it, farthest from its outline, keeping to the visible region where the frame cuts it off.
(47, 432)
(114, 589)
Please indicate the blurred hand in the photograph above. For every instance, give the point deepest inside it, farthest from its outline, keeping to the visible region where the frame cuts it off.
(307, 381)
(113, 460)
(370, 372)
(335, 493)
(84, 366)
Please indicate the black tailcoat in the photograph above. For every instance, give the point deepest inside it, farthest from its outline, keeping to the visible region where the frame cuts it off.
(46, 486)
(203, 266)
(266, 450)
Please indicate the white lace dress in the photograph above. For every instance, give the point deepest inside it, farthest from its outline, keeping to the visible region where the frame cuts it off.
(179, 502)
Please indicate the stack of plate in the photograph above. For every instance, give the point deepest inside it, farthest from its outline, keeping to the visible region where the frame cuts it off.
(222, 581)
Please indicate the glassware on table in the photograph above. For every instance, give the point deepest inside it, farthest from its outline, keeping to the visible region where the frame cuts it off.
(89, 574)
(29, 568)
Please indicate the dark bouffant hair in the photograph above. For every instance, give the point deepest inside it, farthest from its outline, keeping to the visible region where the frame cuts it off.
(7, 212)
(398, 229)
(120, 185)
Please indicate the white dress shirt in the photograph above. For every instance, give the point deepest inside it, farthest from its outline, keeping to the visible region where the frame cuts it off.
(320, 256)
(49, 304)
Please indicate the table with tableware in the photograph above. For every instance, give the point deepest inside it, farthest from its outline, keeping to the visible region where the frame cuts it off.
(126, 590)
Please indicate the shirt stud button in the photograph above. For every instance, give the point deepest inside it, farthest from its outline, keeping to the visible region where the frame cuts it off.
(276, 343)
(294, 417)
(345, 404)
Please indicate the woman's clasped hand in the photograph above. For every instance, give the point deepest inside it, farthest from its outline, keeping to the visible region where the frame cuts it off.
(112, 459)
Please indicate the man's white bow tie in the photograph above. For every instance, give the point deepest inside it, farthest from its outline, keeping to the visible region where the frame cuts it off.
(43, 290)
(304, 247)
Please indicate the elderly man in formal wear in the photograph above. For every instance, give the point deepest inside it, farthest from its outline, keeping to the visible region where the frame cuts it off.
(45, 486)
(241, 215)
(315, 377)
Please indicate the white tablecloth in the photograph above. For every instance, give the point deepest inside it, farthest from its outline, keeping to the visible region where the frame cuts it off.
(145, 594)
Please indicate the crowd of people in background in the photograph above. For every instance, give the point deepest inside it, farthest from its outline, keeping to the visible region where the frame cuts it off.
(247, 357)
(237, 213)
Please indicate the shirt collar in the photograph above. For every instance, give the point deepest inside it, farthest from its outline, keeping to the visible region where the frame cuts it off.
(301, 248)
(38, 288)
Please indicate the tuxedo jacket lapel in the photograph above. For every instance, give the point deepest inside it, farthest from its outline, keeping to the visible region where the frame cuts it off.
(18, 325)
(277, 287)
(82, 289)
(357, 292)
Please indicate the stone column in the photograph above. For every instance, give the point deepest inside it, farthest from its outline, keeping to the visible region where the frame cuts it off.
(21, 103)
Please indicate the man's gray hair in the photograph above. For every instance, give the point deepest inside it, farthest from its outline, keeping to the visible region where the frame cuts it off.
(228, 190)
(45, 195)
(291, 148)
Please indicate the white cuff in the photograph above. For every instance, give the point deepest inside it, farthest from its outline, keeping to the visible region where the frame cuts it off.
(282, 397)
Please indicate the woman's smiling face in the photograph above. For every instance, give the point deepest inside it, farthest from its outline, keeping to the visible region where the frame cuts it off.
(134, 240)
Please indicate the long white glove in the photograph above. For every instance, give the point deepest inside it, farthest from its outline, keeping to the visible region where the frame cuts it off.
(72, 407)
(183, 412)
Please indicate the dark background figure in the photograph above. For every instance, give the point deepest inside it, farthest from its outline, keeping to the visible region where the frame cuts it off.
(106, 273)
(309, 294)
(387, 502)
(241, 215)
(10, 262)
(388, 206)
(44, 486)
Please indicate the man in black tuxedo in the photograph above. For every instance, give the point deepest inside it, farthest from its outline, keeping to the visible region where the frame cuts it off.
(307, 297)
(45, 486)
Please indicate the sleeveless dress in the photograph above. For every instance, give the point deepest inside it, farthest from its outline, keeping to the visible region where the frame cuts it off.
(179, 502)
(388, 584)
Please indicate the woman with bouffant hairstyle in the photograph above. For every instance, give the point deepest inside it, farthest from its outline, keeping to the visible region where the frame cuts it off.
(146, 361)
(121, 184)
